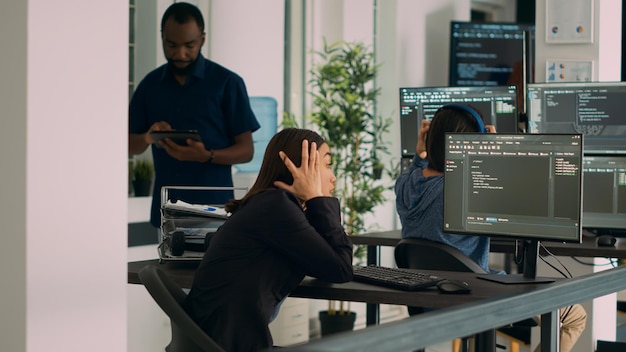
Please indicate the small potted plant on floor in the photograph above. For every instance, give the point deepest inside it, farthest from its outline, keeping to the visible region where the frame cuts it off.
(143, 173)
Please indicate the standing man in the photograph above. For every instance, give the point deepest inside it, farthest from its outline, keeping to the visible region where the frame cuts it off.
(191, 93)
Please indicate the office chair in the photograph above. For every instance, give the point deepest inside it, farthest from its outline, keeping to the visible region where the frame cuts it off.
(610, 346)
(424, 254)
(186, 334)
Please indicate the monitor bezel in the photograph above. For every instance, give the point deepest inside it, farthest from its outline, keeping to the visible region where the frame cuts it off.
(522, 236)
(594, 150)
(410, 153)
(528, 47)
(608, 224)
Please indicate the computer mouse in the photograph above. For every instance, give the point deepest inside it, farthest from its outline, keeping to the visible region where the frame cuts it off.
(453, 286)
(606, 240)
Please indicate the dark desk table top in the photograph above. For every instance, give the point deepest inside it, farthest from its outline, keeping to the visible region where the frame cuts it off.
(588, 248)
(468, 319)
(486, 300)
(182, 273)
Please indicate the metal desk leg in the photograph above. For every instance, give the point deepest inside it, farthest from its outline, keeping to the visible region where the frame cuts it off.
(373, 314)
(550, 333)
(373, 255)
(373, 310)
(486, 341)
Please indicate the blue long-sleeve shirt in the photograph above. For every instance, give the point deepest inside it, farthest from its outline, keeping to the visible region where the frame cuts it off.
(419, 202)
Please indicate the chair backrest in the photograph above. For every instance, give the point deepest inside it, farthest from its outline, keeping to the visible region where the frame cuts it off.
(417, 253)
(414, 253)
(187, 336)
(610, 346)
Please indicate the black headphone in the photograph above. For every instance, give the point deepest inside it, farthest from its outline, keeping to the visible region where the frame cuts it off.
(474, 113)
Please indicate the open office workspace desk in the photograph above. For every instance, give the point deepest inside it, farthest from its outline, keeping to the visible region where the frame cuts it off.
(483, 307)
(468, 319)
(588, 248)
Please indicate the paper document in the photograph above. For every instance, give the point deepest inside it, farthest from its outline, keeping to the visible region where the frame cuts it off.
(214, 211)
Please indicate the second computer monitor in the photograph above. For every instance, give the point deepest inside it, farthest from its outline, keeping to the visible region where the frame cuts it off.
(498, 106)
(604, 196)
(595, 109)
(524, 186)
(520, 186)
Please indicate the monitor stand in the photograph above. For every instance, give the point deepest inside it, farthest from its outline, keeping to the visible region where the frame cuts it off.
(530, 250)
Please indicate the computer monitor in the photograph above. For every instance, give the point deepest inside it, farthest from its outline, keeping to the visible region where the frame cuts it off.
(595, 109)
(492, 54)
(604, 195)
(498, 106)
(520, 186)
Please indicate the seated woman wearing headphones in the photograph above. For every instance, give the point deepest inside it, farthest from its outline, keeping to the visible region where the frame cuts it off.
(419, 191)
(419, 201)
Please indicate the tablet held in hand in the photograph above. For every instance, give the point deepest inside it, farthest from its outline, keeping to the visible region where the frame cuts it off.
(178, 137)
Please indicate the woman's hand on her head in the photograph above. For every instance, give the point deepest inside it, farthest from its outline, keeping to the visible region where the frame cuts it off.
(420, 148)
(307, 183)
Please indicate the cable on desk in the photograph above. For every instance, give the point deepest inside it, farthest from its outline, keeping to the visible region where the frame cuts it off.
(568, 275)
(517, 256)
(612, 262)
(568, 309)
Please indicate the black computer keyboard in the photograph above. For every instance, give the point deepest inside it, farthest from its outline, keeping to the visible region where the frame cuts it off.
(402, 279)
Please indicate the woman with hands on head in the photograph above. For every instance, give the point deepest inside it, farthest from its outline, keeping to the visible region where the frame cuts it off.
(287, 226)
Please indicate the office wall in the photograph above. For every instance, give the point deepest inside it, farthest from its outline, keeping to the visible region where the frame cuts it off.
(605, 50)
(63, 153)
(248, 38)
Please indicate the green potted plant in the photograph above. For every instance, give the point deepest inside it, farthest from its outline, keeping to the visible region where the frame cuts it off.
(143, 172)
(343, 110)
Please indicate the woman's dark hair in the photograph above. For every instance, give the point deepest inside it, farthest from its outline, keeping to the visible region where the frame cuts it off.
(273, 168)
(182, 13)
(447, 120)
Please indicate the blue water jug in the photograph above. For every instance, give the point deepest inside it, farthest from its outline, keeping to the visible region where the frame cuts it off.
(266, 111)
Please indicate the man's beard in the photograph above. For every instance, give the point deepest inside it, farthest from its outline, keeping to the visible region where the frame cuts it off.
(182, 71)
